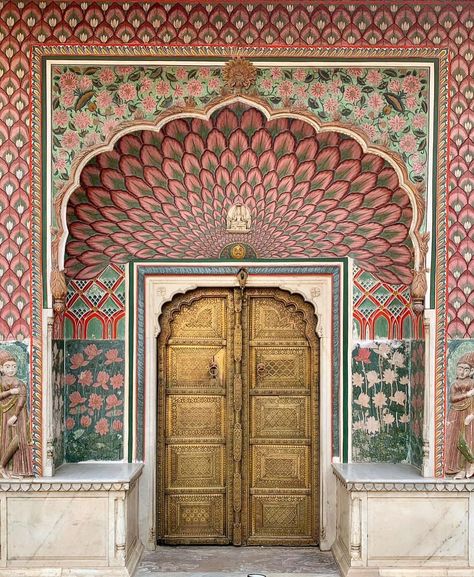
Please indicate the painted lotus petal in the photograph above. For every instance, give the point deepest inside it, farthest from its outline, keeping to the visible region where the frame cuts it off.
(371, 230)
(349, 148)
(176, 188)
(351, 201)
(216, 142)
(192, 183)
(227, 121)
(252, 119)
(347, 170)
(238, 143)
(177, 129)
(91, 271)
(248, 161)
(238, 176)
(387, 178)
(337, 190)
(286, 184)
(267, 162)
(113, 179)
(376, 198)
(305, 171)
(172, 149)
(377, 245)
(228, 160)
(131, 166)
(387, 215)
(307, 150)
(103, 227)
(372, 163)
(270, 180)
(338, 215)
(283, 143)
(327, 205)
(124, 199)
(261, 142)
(321, 180)
(327, 159)
(361, 215)
(394, 233)
(194, 145)
(81, 230)
(130, 144)
(112, 213)
(109, 159)
(151, 156)
(245, 191)
(100, 242)
(191, 164)
(364, 183)
(154, 176)
(90, 176)
(99, 196)
(87, 213)
(138, 186)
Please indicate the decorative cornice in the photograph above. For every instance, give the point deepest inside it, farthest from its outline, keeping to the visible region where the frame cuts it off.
(42, 486)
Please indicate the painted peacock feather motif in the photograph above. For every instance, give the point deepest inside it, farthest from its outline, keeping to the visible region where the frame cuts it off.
(166, 194)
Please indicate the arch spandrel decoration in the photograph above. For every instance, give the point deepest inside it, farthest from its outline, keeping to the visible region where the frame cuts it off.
(387, 183)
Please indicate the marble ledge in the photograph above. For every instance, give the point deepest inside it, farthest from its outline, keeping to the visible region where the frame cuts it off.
(80, 477)
(381, 477)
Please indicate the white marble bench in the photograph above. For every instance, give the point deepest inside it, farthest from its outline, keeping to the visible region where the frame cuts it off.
(83, 521)
(392, 522)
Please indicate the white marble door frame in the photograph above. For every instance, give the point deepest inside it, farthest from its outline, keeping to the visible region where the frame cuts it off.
(316, 289)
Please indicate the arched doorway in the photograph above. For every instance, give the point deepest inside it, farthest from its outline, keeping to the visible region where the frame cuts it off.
(238, 422)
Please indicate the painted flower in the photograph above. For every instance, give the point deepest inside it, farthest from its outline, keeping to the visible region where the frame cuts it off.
(331, 105)
(124, 70)
(375, 101)
(195, 88)
(112, 401)
(404, 418)
(411, 84)
(92, 351)
(109, 126)
(404, 380)
(60, 164)
(408, 143)
(358, 426)
(91, 139)
(357, 380)
(363, 400)
(68, 98)
(399, 397)
(418, 121)
(382, 349)
(397, 123)
(276, 73)
(146, 83)
(181, 73)
(266, 84)
(374, 77)
(394, 85)
(388, 418)
(85, 83)
(85, 421)
(318, 89)
(70, 379)
(68, 81)
(352, 93)
(178, 92)
(117, 426)
(372, 378)
(372, 425)
(214, 84)
(355, 72)
(70, 140)
(70, 422)
(112, 356)
(358, 112)
(127, 91)
(102, 380)
(411, 103)
(149, 104)
(363, 356)
(106, 76)
(120, 110)
(102, 427)
(286, 89)
(162, 88)
(95, 401)
(398, 359)
(76, 398)
(103, 99)
(82, 120)
(380, 399)
(60, 118)
(389, 376)
(85, 378)
(370, 130)
(117, 381)
(300, 74)
(300, 91)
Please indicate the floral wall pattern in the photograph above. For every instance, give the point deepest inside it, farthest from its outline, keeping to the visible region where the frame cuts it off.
(58, 394)
(94, 400)
(417, 400)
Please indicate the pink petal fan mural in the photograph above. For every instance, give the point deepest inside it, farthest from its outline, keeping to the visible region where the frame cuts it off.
(310, 195)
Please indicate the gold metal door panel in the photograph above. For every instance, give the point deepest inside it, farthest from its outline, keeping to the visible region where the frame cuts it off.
(201, 320)
(279, 367)
(195, 518)
(281, 519)
(279, 417)
(195, 466)
(199, 418)
(189, 367)
(280, 467)
(274, 320)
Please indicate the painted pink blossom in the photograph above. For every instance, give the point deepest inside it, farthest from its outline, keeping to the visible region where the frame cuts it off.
(85, 378)
(145, 84)
(124, 69)
(285, 90)
(300, 91)
(92, 351)
(178, 91)
(375, 101)
(109, 126)
(204, 72)
(394, 85)
(357, 380)
(102, 380)
(70, 423)
(76, 398)
(404, 418)
(397, 123)
(419, 121)
(103, 99)
(95, 401)
(85, 83)
(363, 400)
(411, 103)
(372, 425)
(70, 140)
(102, 427)
(117, 426)
(411, 84)
(276, 73)
(112, 356)
(116, 381)
(77, 361)
(82, 120)
(266, 84)
(389, 376)
(127, 91)
(120, 110)
(60, 118)
(370, 130)
(363, 356)
(149, 104)
(112, 401)
(70, 379)
(68, 98)
(388, 418)
(300, 74)
(374, 77)
(60, 164)
(162, 88)
(399, 397)
(214, 83)
(181, 74)
(380, 399)
(356, 72)
(91, 139)
(352, 93)
(86, 421)
(331, 105)
(358, 112)
(68, 81)
(195, 88)
(408, 143)
(318, 89)
(106, 76)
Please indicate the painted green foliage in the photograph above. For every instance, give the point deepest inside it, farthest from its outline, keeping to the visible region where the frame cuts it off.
(417, 400)
(58, 401)
(91, 102)
(94, 400)
(380, 410)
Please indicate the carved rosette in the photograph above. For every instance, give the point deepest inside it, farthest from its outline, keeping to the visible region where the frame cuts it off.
(239, 76)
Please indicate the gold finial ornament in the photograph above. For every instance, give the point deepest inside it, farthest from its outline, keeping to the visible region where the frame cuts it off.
(239, 75)
(58, 289)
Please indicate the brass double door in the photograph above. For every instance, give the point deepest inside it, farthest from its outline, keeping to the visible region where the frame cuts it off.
(238, 419)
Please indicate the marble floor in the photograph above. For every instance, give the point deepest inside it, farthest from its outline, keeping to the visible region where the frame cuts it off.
(211, 561)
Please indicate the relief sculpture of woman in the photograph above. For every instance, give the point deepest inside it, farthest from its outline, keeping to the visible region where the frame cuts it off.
(460, 425)
(15, 454)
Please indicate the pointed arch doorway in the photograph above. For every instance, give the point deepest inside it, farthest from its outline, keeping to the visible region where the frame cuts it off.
(238, 422)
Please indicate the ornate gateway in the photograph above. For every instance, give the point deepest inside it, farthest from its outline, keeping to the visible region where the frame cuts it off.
(238, 419)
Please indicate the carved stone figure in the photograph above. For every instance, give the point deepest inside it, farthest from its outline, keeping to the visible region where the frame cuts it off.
(15, 454)
(460, 427)
(239, 218)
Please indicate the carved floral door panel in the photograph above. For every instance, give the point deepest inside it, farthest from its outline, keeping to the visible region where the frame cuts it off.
(238, 419)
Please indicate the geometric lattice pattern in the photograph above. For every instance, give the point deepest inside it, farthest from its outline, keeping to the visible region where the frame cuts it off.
(95, 309)
(382, 311)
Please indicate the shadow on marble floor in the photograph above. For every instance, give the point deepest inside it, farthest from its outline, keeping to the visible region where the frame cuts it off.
(226, 561)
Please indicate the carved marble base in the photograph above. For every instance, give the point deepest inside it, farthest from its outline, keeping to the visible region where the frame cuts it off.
(82, 522)
(392, 522)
